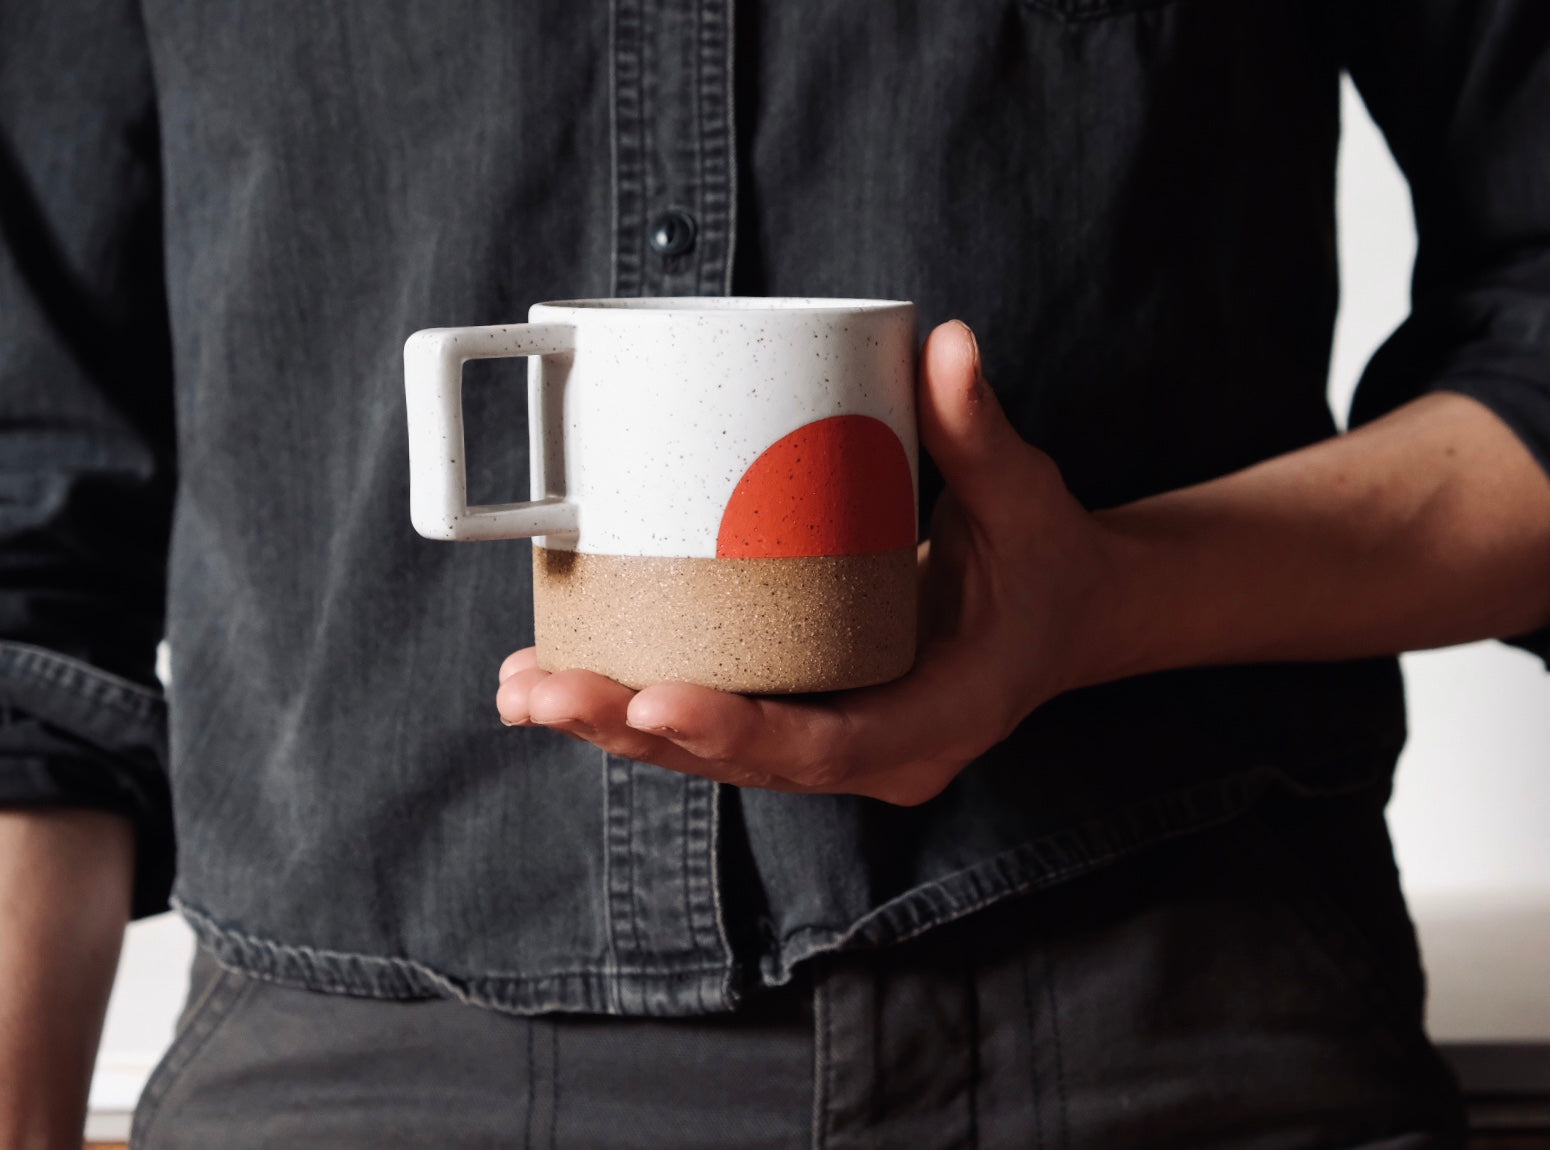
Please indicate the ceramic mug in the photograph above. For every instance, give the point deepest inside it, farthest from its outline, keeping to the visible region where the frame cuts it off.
(724, 489)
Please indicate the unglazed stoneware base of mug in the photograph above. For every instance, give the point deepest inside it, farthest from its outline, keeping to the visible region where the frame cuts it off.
(755, 626)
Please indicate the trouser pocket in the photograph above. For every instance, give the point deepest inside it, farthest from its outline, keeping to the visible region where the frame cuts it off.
(214, 996)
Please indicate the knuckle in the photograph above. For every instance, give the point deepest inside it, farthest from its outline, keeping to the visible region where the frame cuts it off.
(821, 773)
(728, 748)
(745, 777)
(830, 770)
(832, 757)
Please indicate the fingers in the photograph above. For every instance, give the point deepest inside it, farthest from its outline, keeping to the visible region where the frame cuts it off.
(961, 422)
(593, 708)
(529, 694)
(579, 696)
(802, 746)
(512, 698)
(826, 744)
(518, 661)
(800, 741)
(900, 742)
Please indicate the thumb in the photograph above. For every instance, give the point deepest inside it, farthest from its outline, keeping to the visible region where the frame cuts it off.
(961, 422)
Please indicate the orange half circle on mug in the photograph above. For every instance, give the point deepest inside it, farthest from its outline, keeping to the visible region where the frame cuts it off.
(836, 486)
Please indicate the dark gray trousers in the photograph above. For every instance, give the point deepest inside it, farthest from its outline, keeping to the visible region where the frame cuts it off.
(1251, 986)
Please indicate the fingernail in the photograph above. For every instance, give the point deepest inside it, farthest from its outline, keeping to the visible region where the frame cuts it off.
(974, 345)
(656, 729)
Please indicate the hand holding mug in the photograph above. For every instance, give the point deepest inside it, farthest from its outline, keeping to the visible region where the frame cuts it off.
(1010, 567)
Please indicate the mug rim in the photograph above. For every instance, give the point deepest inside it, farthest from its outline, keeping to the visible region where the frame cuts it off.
(726, 305)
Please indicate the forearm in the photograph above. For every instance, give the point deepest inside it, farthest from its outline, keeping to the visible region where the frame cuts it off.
(64, 899)
(1428, 527)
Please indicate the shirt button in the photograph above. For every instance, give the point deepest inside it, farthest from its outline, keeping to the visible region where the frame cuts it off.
(672, 233)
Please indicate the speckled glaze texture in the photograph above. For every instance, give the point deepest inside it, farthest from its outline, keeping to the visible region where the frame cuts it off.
(758, 626)
(667, 403)
(735, 479)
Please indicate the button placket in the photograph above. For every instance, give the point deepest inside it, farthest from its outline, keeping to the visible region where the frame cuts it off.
(674, 166)
(673, 204)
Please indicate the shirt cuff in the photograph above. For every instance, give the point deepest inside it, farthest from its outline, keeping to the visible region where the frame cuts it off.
(1521, 405)
(1525, 408)
(74, 736)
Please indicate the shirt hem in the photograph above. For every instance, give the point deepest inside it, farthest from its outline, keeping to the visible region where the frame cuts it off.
(664, 990)
(1043, 862)
(692, 986)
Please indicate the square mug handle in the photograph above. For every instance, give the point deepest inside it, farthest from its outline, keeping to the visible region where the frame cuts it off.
(438, 477)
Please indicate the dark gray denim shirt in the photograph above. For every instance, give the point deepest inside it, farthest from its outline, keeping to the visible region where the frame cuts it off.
(221, 220)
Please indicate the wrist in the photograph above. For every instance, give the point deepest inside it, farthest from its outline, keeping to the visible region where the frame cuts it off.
(1129, 605)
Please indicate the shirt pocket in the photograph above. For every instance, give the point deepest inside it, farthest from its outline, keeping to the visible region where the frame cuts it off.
(1081, 10)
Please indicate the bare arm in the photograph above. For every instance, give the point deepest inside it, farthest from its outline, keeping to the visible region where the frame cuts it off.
(1430, 526)
(64, 899)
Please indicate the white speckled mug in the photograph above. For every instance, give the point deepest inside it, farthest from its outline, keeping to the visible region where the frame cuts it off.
(725, 488)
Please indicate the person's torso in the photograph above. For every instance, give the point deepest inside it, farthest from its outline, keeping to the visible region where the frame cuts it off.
(1131, 203)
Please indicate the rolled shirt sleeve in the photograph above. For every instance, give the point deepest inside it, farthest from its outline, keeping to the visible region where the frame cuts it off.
(1461, 91)
(86, 430)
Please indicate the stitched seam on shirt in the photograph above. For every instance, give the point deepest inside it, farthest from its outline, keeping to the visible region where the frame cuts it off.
(718, 795)
(702, 904)
(91, 684)
(686, 795)
(610, 935)
(697, 88)
(618, 782)
(613, 147)
(730, 87)
(206, 925)
(718, 915)
(713, 161)
(827, 938)
(629, 146)
(1005, 874)
(634, 898)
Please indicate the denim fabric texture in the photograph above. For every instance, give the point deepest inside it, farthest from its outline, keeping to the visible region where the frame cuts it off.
(221, 221)
(1276, 1006)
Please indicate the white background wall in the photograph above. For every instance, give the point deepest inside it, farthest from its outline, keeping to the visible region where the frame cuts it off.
(1471, 809)
(1471, 813)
